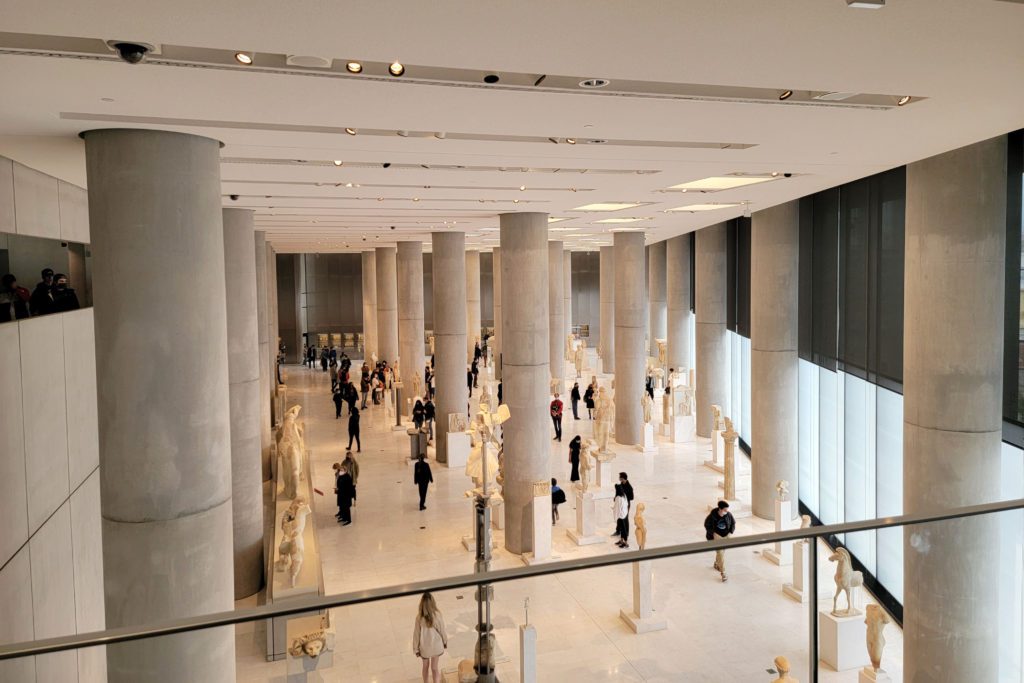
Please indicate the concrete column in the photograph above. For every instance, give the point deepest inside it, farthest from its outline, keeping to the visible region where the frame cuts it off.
(410, 314)
(273, 330)
(387, 304)
(774, 380)
(163, 402)
(712, 344)
(606, 281)
(567, 295)
(952, 408)
(524, 250)
(369, 274)
(656, 280)
(630, 351)
(556, 309)
(449, 282)
(244, 393)
(498, 334)
(472, 301)
(263, 334)
(677, 298)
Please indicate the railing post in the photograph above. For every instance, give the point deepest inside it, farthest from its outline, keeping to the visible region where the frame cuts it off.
(812, 601)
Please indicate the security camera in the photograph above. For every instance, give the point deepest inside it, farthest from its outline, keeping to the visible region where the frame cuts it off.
(133, 53)
(392, 227)
(234, 197)
(787, 175)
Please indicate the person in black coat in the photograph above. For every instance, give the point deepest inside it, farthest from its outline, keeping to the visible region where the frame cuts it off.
(574, 396)
(574, 457)
(720, 523)
(41, 301)
(337, 403)
(627, 488)
(353, 429)
(476, 372)
(346, 492)
(588, 400)
(422, 477)
(418, 414)
(430, 414)
(557, 498)
(469, 382)
(351, 396)
(499, 393)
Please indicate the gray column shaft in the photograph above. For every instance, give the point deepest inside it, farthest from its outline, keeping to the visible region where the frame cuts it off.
(656, 283)
(244, 393)
(369, 277)
(472, 301)
(263, 332)
(525, 375)
(567, 295)
(387, 304)
(556, 309)
(606, 279)
(410, 314)
(677, 302)
(952, 407)
(630, 351)
(774, 380)
(498, 334)
(448, 261)
(712, 343)
(164, 430)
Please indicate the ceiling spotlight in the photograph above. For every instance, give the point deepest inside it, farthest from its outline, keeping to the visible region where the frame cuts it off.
(785, 94)
(515, 201)
(348, 184)
(380, 199)
(402, 133)
(396, 69)
(491, 78)
(351, 131)
(594, 83)
(903, 100)
(522, 188)
(337, 162)
(354, 67)
(440, 135)
(243, 58)
(775, 174)
(415, 199)
(571, 141)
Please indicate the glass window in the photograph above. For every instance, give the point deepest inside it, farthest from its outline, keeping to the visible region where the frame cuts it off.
(736, 378)
(745, 390)
(807, 425)
(859, 464)
(1011, 567)
(889, 491)
(829, 429)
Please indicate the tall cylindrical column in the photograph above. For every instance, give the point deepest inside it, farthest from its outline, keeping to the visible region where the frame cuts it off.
(273, 326)
(952, 408)
(656, 280)
(244, 394)
(567, 294)
(387, 304)
(556, 310)
(410, 314)
(472, 301)
(524, 250)
(677, 300)
(165, 428)
(498, 334)
(606, 279)
(774, 374)
(369, 277)
(449, 282)
(712, 343)
(630, 351)
(263, 334)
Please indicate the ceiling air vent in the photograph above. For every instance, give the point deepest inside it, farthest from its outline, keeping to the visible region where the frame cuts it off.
(835, 96)
(309, 61)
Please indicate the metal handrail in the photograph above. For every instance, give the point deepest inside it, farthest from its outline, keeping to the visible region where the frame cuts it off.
(314, 603)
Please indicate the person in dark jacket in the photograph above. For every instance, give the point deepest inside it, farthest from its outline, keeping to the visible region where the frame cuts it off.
(64, 297)
(418, 414)
(627, 488)
(574, 396)
(499, 393)
(469, 382)
(323, 359)
(353, 429)
(649, 386)
(557, 498)
(430, 414)
(346, 492)
(41, 301)
(14, 300)
(351, 396)
(588, 400)
(475, 369)
(574, 457)
(422, 477)
(337, 403)
(364, 389)
(719, 523)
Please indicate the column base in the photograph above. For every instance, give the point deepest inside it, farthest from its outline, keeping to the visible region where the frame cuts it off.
(580, 539)
(530, 560)
(638, 625)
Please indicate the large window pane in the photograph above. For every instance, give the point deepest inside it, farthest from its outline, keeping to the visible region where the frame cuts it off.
(736, 378)
(889, 491)
(745, 390)
(807, 425)
(855, 216)
(828, 447)
(859, 464)
(1011, 567)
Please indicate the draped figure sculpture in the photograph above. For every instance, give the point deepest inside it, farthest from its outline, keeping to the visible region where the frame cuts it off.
(604, 418)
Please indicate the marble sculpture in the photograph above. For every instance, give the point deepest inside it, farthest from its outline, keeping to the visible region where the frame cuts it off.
(585, 465)
(569, 347)
(648, 405)
(580, 358)
(782, 488)
(685, 393)
(782, 666)
(662, 351)
(640, 522)
(876, 620)
(846, 581)
(292, 546)
(604, 418)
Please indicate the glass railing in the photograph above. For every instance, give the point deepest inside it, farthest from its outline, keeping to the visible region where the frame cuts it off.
(663, 613)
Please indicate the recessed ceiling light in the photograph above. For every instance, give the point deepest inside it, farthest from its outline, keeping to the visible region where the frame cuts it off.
(440, 135)
(396, 68)
(718, 183)
(903, 100)
(633, 219)
(515, 201)
(351, 131)
(354, 67)
(571, 141)
(785, 94)
(522, 188)
(866, 4)
(243, 58)
(704, 207)
(337, 162)
(775, 174)
(380, 199)
(605, 206)
(594, 83)
(415, 199)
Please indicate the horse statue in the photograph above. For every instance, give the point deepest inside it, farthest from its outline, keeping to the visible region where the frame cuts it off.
(846, 580)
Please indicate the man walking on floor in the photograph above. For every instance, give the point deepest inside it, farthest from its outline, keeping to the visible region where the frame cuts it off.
(556, 417)
(720, 523)
(422, 477)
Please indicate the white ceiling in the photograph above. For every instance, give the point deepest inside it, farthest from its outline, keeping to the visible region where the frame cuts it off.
(964, 58)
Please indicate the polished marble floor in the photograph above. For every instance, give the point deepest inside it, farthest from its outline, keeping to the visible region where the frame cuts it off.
(716, 631)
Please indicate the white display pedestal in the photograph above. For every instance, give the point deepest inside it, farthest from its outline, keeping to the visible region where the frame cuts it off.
(497, 513)
(717, 452)
(782, 553)
(304, 669)
(798, 589)
(528, 654)
(842, 640)
(604, 483)
(649, 445)
(642, 619)
(541, 527)
(869, 675)
(459, 446)
(585, 532)
(684, 428)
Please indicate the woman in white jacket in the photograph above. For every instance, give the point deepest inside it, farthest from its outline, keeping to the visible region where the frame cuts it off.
(620, 507)
(429, 638)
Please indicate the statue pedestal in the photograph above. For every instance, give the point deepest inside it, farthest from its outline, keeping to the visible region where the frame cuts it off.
(641, 619)
(842, 640)
(527, 654)
(302, 668)
(782, 553)
(869, 675)
(649, 445)
(541, 530)
(585, 532)
(604, 481)
(418, 441)
(684, 428)
(717, 452)
(459, 445)
(798, 589)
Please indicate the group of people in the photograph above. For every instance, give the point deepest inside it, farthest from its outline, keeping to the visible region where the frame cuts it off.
(587, 398)
(53, 294)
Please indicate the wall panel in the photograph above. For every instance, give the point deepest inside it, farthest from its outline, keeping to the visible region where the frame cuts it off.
(35, 203)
